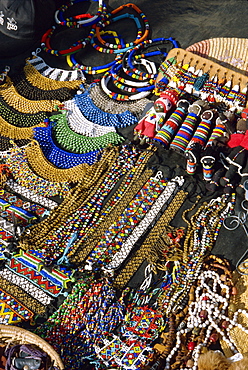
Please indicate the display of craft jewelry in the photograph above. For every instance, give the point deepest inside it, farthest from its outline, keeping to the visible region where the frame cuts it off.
(108, 243)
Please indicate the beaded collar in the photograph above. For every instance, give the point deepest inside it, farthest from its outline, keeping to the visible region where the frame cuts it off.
(21, 104)
(96, 115)
(78, 123)
(14, 132)
(59, 157)
(19, 167)
(57, 74)
(69, 140)
(16, 118)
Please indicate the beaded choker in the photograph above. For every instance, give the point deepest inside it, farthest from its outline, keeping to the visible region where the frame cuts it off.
(59, 157)
(15, 100)
(69, 140)
(19, 167)
(75, 77)
(94, 114)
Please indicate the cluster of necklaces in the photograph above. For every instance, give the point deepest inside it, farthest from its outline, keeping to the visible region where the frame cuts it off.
(106, 249)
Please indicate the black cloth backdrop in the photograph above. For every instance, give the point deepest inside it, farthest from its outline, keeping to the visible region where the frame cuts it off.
(187, 22)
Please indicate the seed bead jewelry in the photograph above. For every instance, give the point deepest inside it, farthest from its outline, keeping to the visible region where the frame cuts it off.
(57, 74)
(78, 123)
(30, 92)
(61, 158)
(96, 115)
(69, 140)
(47, 83)
(10, 95)
(15, 132)
(72, 201)
(79, 20)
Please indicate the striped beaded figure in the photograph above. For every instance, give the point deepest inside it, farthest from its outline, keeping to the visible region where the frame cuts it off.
(148, 126)
(171, 126)
(198, 142)
(185, 133)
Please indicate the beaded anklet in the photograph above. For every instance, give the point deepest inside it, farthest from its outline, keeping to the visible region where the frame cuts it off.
(45, 83)
(69, 140)
(15, 118)
(23, 175)
(56, 74)
(78, 123)
(28, 91)
(96, 115)
(15, 100)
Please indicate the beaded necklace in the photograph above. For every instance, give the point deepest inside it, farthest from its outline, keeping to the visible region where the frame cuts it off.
(47, 83)
(79, 20)
(61, 158)
(23, 175)
(78, 223)
(28, 91)
(15, 118)
(75, 76)
(104, 102)
(78, 123)
(15, 132)
(69, 140)
(10, 95)
(96, 115)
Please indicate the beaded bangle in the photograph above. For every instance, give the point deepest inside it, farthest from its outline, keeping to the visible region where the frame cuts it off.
(78, 123)
(78, 20)
(59, 157)
(69, 140)
(140, 37)
(55, 73)
(96, 115)
(129, 55)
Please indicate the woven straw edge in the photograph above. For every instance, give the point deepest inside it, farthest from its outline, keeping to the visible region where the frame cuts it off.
(23, 336)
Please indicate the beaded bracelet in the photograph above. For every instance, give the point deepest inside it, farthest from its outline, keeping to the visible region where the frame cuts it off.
(13, 311)
(55, 73)
(78, 20)
(140, 35)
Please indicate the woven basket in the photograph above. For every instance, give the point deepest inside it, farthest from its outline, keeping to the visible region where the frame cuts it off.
(14, 335)
(229, 52)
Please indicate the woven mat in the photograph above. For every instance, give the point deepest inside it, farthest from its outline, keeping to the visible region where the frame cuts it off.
(229, 52)
(238, 336)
